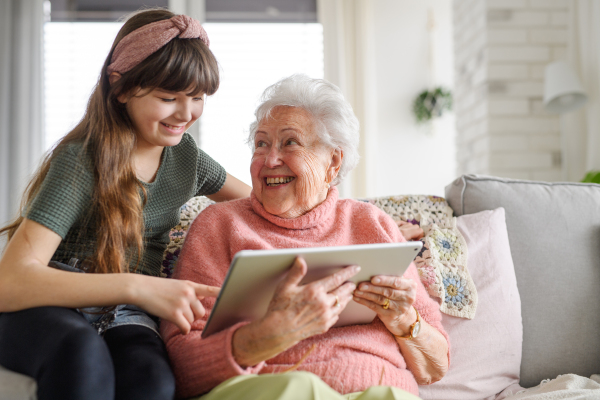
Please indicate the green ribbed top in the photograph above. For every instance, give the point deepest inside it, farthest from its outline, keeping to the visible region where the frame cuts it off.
(64, 199)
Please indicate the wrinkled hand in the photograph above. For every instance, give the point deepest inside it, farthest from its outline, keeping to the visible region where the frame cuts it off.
(401, 294)
(410, 231)
(307, 310)
(174, 300)
(295, 312)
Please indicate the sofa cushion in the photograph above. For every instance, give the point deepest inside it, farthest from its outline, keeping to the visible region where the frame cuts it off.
(14, 386)
(485, 351)
(554, 234)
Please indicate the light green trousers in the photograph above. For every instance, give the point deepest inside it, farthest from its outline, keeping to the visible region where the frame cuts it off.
(295, 386)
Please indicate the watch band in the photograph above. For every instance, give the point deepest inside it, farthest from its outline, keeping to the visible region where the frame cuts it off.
(414, 327)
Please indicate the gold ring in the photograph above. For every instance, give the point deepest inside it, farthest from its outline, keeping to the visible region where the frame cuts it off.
(337, 302)
(386, 304)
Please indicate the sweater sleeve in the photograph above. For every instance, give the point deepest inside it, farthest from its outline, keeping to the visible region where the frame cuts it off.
(201, 364)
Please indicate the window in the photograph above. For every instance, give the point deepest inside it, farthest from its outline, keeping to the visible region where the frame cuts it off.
(252, 56)
(73, 56)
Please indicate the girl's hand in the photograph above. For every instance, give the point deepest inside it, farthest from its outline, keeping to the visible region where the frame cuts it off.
(296, 312)
(391, 297)
(175, 300)
(410, 231)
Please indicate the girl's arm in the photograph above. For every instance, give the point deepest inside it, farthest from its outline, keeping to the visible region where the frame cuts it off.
(26, 281)
(231, 190)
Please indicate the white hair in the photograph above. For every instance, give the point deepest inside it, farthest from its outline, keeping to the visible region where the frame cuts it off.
(336, 123)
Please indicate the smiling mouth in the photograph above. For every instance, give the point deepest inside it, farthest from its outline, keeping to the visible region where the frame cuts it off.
(173, 127)
(279, 180)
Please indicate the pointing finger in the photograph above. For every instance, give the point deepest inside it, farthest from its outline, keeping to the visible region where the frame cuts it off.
(206, 291)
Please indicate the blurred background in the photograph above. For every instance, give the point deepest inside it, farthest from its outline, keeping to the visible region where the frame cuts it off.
(441, 88)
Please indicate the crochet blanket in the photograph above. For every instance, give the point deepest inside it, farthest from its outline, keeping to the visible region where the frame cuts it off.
(442, 262)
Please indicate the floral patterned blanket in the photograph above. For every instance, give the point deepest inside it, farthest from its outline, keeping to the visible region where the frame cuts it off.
(442, 262)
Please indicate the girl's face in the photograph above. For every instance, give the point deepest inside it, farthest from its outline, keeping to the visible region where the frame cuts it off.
(160, 117)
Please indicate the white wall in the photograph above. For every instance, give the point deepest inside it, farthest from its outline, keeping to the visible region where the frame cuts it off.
(502, 48)
(410, 158)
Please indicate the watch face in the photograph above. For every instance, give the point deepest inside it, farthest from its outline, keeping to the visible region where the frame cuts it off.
(416, 329)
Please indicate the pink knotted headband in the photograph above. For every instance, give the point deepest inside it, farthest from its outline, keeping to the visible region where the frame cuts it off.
(139, 44)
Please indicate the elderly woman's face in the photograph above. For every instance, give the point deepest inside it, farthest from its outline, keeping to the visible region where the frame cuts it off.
(291, 168)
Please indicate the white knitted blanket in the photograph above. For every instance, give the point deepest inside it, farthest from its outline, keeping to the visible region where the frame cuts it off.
(564, 387)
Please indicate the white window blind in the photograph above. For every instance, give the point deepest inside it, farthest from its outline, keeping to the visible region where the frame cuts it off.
(73, 56)
(251, 56)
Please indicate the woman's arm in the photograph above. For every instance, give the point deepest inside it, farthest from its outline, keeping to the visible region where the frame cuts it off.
(426, 355)
(199, 363)
(394, 299)
(26, 281)
(231, 190)
(295, 313)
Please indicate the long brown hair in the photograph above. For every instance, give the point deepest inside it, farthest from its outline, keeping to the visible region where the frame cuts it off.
(106, 133)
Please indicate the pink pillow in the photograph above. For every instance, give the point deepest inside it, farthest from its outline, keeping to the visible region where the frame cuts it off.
(485, 351)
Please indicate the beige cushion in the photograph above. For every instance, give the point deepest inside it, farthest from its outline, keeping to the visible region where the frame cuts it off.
(554, 234)
(15, 386)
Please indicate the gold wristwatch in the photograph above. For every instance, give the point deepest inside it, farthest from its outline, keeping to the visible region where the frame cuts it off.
(414, 328)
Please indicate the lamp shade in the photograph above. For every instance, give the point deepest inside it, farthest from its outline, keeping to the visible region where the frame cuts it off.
(562, 89)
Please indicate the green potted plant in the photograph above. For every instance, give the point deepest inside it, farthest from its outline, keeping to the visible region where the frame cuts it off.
(431, 104)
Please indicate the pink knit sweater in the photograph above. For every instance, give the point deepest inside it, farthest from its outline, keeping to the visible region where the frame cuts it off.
(349, 359)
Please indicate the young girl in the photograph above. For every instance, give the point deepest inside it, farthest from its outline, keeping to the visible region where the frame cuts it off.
(101, 205)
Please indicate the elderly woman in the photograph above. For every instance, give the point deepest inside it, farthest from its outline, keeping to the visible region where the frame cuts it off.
(304, 142)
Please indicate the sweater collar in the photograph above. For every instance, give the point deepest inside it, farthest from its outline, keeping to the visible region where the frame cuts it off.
(314, 217)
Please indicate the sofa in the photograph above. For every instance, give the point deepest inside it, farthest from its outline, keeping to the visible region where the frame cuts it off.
(534, 258)
(553, 231)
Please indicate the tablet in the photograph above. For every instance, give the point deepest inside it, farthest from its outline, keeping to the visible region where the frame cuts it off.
(254, 274)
